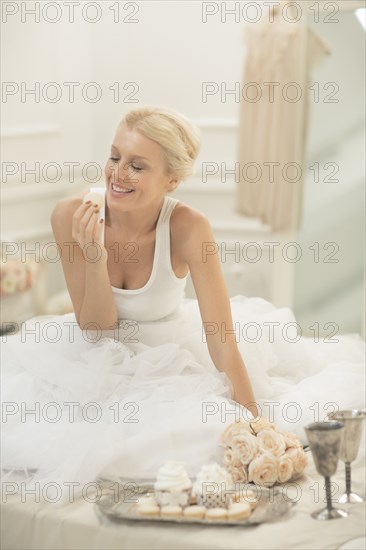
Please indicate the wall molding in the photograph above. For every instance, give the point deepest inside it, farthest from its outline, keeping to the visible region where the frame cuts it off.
(216, 123)
(29, 131)
(23, 192)
(27, 234)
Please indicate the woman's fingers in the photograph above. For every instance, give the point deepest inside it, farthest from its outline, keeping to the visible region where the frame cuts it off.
(88, 216)
(94, 235)
(88, 226)
(81, 230)
(98, 238)
(78, 215)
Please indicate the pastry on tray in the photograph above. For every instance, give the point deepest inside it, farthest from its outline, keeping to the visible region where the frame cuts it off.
(172, 486)
(213, 486)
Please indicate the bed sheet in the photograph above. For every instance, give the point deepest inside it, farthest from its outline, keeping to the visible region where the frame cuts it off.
(31, 525)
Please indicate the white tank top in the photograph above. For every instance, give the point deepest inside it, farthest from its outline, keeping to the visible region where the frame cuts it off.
(162, 295)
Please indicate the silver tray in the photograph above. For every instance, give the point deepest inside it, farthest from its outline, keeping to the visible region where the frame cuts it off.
(120, 505)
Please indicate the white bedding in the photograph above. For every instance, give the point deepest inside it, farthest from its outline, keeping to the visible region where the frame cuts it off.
(76, 526)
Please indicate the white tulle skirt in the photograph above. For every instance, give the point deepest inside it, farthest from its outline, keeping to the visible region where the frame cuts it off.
(78, 405)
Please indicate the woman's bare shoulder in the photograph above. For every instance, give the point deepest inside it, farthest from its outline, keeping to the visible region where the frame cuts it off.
(191, 231)
(184, 218)
(188, 228)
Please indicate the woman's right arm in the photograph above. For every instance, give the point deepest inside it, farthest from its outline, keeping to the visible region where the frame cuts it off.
(74, 226)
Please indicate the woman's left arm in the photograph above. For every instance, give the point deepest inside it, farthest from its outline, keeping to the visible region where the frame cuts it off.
(200, 251)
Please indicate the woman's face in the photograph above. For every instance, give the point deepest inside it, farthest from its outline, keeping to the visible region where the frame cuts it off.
(136, 163)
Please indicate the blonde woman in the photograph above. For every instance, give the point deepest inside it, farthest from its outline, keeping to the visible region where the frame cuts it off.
(139, 374)
(153, 150)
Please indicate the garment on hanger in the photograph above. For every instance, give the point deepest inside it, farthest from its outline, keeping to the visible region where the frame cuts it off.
(274, 112)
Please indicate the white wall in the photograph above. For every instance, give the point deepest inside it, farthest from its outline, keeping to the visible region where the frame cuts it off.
(168, 54)
(332, 289)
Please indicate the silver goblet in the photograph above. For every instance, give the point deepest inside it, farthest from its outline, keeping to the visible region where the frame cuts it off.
(353, 423)
(325, 439)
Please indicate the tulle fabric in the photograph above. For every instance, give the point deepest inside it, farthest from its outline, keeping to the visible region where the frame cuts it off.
(296, 379)
(123, 404)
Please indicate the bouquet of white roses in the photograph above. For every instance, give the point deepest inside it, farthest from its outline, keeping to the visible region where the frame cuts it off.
(256, 451)
(16, 276)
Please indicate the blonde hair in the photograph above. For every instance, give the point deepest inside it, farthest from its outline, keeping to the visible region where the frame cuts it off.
(178, 138)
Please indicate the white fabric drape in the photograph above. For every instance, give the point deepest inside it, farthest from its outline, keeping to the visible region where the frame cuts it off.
(273, 128)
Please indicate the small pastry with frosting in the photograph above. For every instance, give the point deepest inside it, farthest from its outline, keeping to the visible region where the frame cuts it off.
(246, 495)
(148, 510)
(172, 486)
(95, 198)
(216, 514)
(213, 486)
(239, 511)
(171, 511)
(194, 512)
(142, 501)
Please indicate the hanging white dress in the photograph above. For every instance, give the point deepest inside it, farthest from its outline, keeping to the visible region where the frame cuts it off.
(274, 112)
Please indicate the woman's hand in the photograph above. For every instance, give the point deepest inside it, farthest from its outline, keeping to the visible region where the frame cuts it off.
(87, 232)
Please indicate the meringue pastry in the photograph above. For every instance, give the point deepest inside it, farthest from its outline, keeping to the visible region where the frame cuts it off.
(95, 198)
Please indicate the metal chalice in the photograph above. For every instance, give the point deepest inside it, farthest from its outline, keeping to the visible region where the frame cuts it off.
(325, 439)
(353, 421)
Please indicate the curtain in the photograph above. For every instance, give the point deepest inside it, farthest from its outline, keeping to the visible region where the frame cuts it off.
(273, 119)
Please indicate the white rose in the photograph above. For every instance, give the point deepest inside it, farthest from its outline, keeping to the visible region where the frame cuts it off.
(285, 468)
(237, 427)
(299, 460)
(8, 285)
(263, 470)
(238, 474)
(291, 440)
(246, 447)
(262, 424)
(19, 275)
(232, 458)
(272, 441)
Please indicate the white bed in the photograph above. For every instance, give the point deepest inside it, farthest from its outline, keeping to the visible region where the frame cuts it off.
(76, 526)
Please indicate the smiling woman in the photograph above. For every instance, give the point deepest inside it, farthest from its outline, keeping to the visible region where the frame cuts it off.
(153, 376)
(152, 151)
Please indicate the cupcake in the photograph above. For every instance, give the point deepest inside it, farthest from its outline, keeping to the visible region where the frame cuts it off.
(213, 486)
(172, 485)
